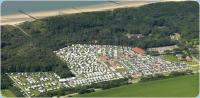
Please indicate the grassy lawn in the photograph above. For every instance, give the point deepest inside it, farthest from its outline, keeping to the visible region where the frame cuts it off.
(7, 93)
(192, 63)
(170, 57)
(173, 58)
(120, 70)
(182, 86)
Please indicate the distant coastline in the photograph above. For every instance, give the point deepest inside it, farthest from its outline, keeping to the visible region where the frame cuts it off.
(19, 18)
(30, 6)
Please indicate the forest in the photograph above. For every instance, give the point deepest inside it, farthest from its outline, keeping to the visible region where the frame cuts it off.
(155, 22)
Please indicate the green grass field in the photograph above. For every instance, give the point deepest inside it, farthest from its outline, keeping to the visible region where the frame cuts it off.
(170, 57)
(173, 58)
(182, 86)
(7, 93)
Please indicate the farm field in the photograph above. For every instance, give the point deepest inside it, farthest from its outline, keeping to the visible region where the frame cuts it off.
(183, 86)
(7, 93)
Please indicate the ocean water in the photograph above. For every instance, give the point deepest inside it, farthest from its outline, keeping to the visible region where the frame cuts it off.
(12, 7)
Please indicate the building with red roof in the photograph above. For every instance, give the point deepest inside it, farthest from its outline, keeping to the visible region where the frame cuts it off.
(138, 50)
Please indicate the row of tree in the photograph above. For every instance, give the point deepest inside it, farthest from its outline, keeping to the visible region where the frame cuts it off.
(86, 88)
(162, 76)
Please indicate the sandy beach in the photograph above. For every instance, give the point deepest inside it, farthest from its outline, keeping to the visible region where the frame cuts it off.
(19, 18)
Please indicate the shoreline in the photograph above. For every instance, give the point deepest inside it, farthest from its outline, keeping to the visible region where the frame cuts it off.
(20, 18)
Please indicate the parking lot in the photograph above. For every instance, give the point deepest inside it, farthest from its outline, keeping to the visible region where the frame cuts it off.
(91, 63)
(33, 84)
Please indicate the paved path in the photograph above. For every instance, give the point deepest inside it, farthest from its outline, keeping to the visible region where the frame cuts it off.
(22, 30)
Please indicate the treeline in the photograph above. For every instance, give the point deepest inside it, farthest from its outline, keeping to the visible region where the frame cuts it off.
(34, 59)
(156, 22)
(162, 76)
(7, 83)
(86, 88)
(21, 54)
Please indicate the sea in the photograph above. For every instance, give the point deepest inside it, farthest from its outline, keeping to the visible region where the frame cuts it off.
(13, 7)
